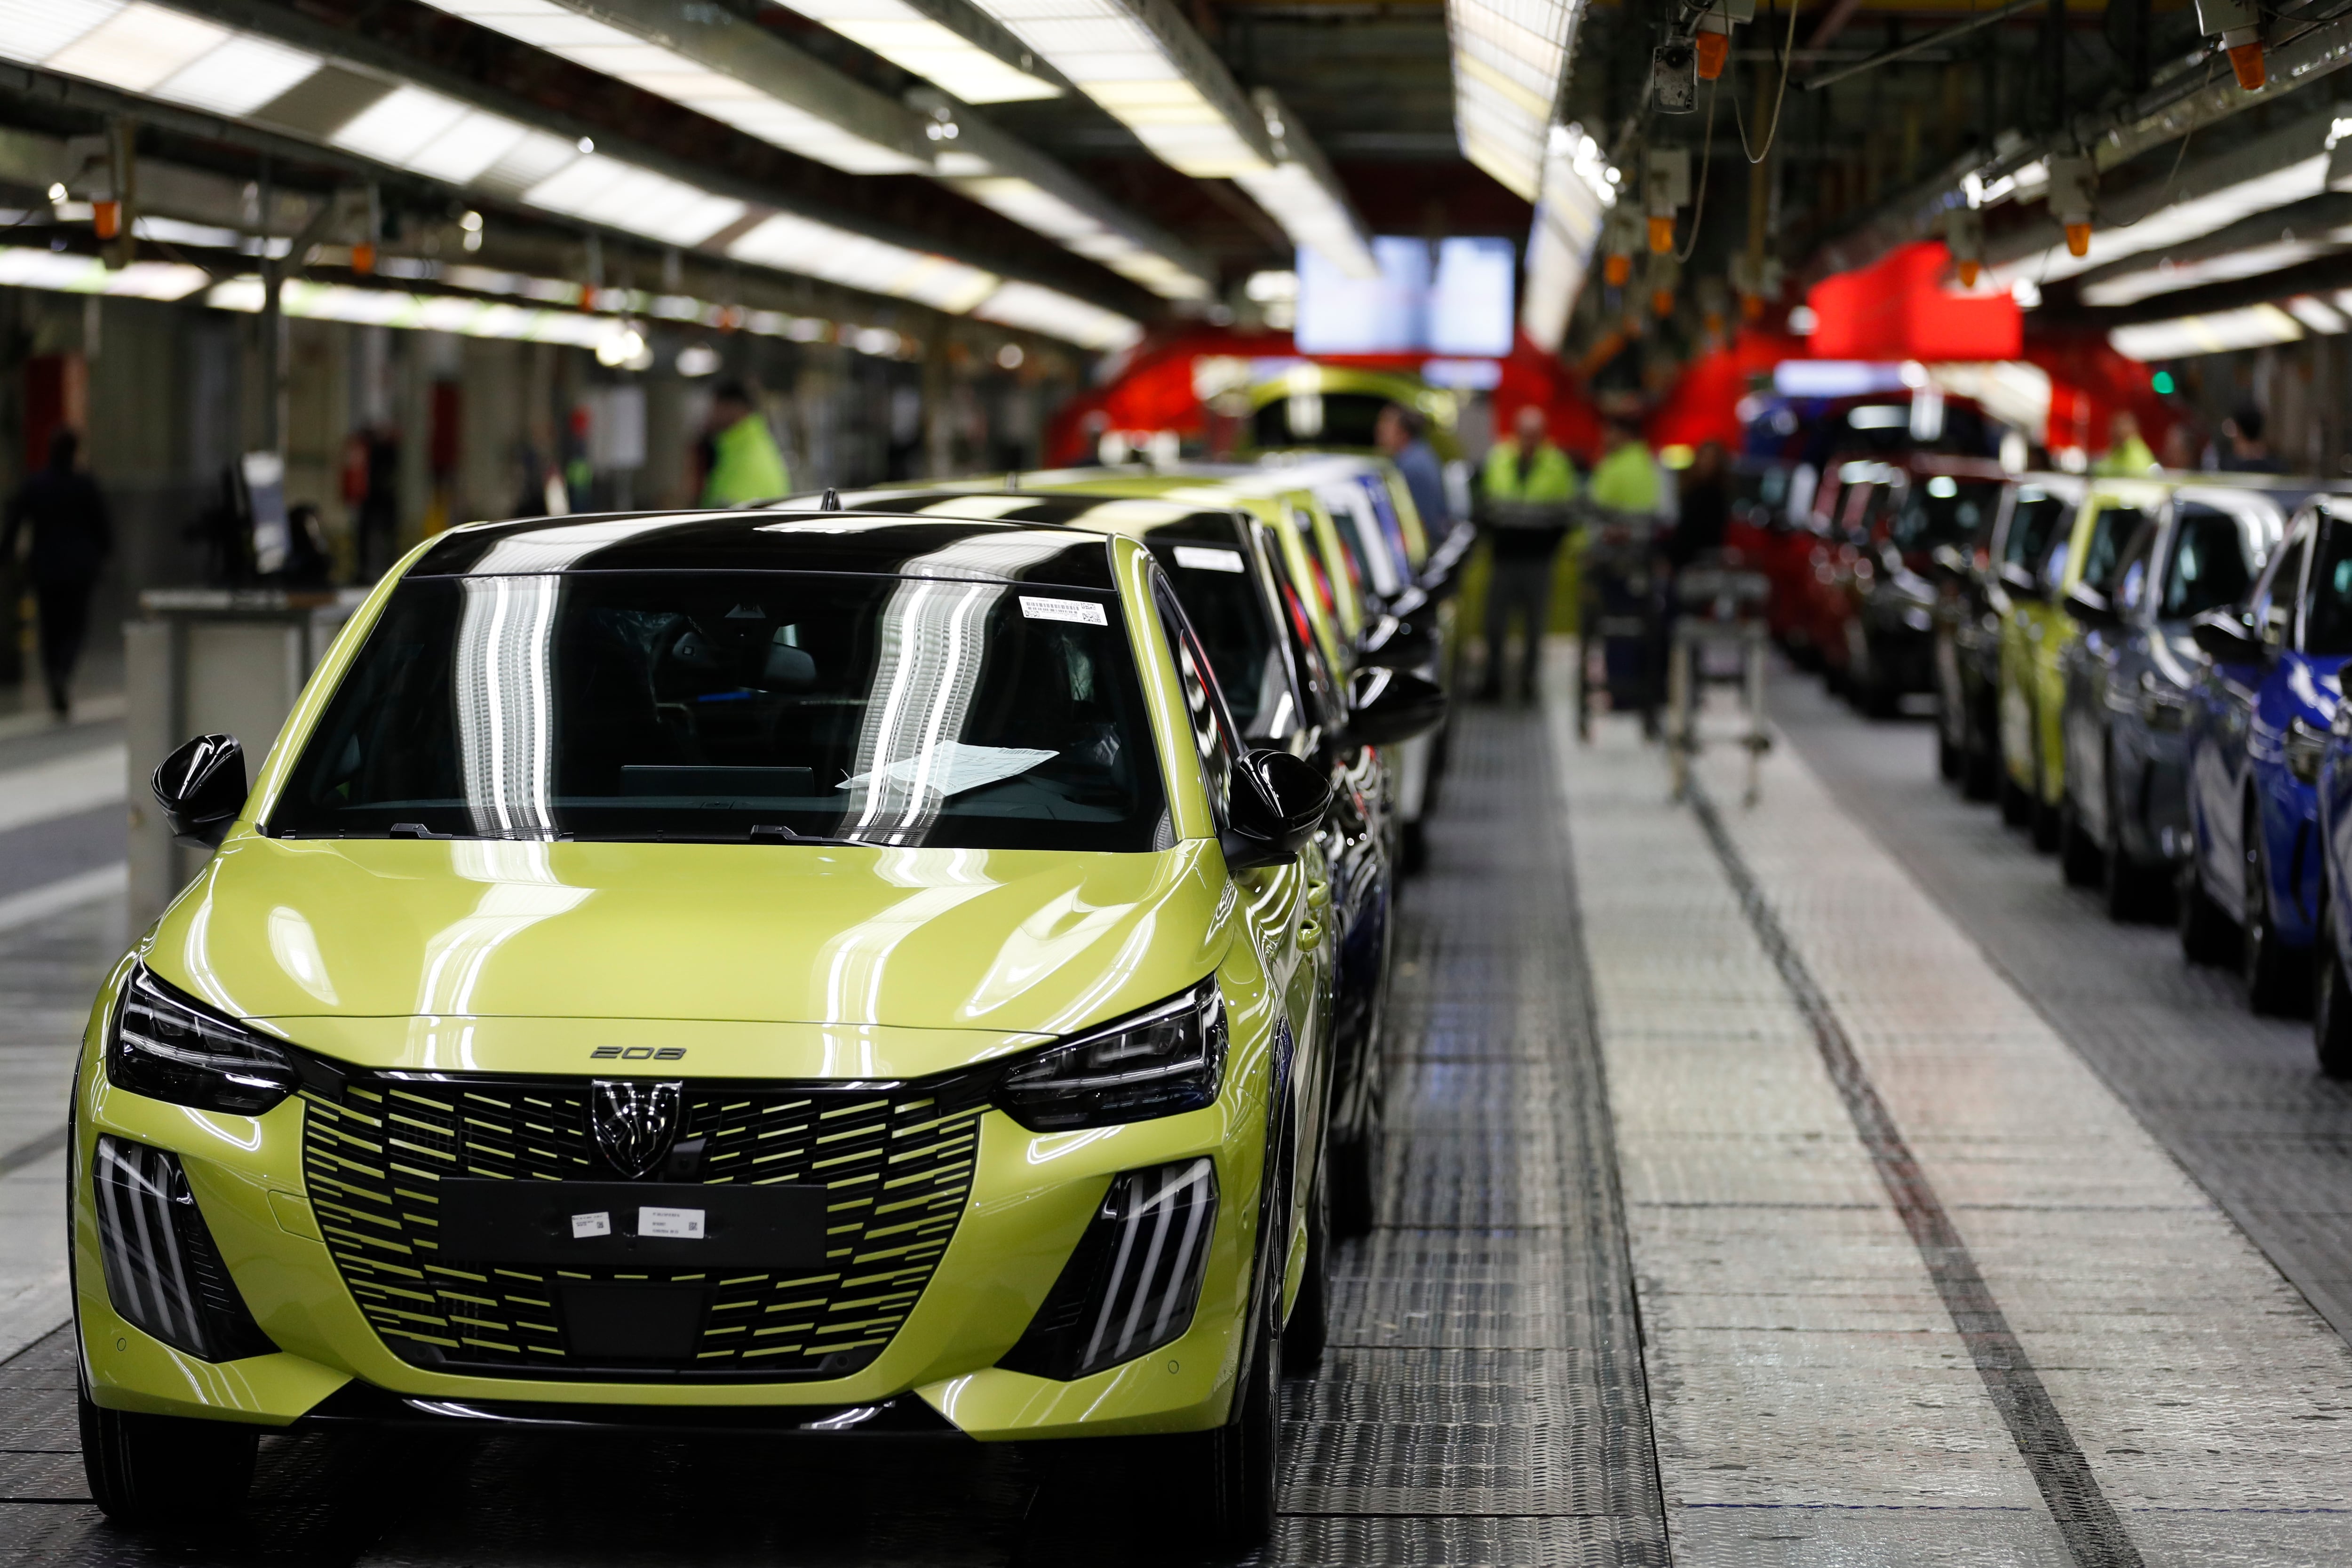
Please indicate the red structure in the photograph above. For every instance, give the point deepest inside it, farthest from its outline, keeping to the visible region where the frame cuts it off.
(1155, 386)
(1898, 309)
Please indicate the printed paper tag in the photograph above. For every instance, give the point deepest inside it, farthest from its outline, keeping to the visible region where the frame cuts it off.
(679, 1225)
(1201, 559)
(588, 1224)
(1086, 611)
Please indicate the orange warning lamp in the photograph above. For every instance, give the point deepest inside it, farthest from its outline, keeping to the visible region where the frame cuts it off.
(1662, 235)
(107, 218)
(1751, 307)
(363, 257)
(1714, 48)
(2246, 59)
(2078, 239)
(1618, 267)
(1662, 301)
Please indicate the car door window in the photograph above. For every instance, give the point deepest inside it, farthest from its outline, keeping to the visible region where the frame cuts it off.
(2273, 601)
(2327, 598)
(2112, 531)
(1215, 734)
(2031, 527)
(2131, 573)
(2208, 567)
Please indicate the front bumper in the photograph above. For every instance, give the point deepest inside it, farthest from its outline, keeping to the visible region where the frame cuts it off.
(1029, 1199)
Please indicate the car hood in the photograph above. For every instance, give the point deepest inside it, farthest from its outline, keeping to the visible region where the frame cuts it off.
(761, 960)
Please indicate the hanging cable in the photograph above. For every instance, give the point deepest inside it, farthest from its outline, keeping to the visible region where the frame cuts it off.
(1705, 157)
(1788, 63)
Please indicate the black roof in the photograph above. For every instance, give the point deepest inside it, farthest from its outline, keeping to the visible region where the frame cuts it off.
(1150, 519)
(862, 543)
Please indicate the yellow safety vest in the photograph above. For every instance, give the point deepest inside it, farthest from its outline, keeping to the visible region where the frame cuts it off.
(1551, 478)
(1626, 480)
(745, 465)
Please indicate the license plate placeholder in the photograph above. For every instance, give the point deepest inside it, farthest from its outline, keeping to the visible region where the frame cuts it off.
(633, 1225)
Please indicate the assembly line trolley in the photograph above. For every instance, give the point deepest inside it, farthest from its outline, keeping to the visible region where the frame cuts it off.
(1718, 638)
(1621, 618)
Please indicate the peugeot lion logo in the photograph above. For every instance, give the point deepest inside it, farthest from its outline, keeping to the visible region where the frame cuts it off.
(633, 1122)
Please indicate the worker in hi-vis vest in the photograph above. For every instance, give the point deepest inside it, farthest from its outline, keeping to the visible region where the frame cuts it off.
(744, 463)
(1523, 510)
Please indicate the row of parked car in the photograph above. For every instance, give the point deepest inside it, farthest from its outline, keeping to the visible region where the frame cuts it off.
(910, 962)
(1311, 582)
(2144, 671)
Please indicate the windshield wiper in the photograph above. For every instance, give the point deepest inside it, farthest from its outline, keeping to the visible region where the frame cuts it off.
(777, 833)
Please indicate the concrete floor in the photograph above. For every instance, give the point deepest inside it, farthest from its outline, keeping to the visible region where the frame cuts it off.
(1814, 1183)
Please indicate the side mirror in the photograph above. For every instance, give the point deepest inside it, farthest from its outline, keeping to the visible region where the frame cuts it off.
(2017, 578)
(1386, 706)
(201, 788)
(1948, 561)
(1440, 570)
(2091, 609)
(1277, 804)
(2224, 636)
(1394, 644)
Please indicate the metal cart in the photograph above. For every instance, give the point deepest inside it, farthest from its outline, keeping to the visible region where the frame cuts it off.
(1718, 638)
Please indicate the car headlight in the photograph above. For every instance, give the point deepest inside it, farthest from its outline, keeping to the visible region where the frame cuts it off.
(1158, 1062)
(2305, 746)
(171, 1046)
(2160, 706)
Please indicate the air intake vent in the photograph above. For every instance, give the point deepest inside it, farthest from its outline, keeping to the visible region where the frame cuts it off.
(162, 1272)
(1132, 1282)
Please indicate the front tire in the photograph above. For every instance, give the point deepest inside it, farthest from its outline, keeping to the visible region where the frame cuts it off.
(1309, 1329)
(149, 1471)
(2207, 935)
(1244, 1458)
(2269, 966)
(2080, 859)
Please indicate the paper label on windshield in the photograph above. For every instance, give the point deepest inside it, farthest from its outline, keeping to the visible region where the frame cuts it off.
(587, 1225)
(1200, 558)
(1085, 612)
(952, 767)
(677, 1225)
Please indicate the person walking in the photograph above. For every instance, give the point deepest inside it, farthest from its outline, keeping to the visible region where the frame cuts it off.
(71, 537)
(1524, 500)
(1625, 480)
(744, 463)
(1403, 435)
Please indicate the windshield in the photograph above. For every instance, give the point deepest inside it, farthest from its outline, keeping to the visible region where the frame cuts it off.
(1229, 614)
(2208, 567)
(2327, 621)
(1945, 511)
(737, 706)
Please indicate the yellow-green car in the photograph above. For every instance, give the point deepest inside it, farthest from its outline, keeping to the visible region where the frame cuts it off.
(1332, 407)
(755, 972)
(2035, 631)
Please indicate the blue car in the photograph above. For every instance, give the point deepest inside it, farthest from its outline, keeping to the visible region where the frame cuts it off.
(2129, 682)
(2258, 730)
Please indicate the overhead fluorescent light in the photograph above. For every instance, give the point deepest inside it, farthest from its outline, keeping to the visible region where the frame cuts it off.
(244, 74)
(2165, 277)
(1576, 197)
(1109, 51)
(608, 191)
(2174, 225)
(139, 46)
(638, 56)
(928, 48)
(22, 266)
(2317, 314)
(803, 245)
(1057, 315)
(1509, 60)
(33, 30)
(2220, 331)
(1304, 195)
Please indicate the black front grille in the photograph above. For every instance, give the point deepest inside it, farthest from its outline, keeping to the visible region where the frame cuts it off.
(896, 1164)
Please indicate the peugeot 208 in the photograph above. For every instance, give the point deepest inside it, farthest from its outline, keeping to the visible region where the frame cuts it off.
(752, 972)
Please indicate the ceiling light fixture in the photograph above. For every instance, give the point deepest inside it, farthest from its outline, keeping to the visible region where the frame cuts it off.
(1575, 201)
(1509, 59)
(920, 43)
